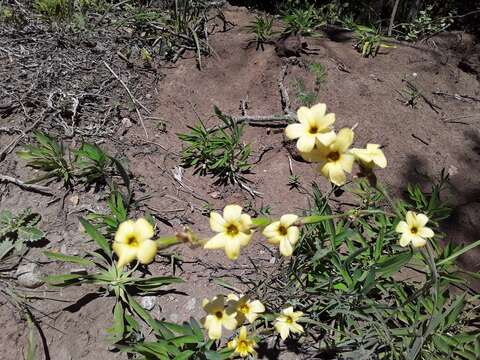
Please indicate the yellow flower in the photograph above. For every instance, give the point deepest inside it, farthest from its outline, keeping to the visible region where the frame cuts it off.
(284, 233)
(314, 126)
(414, 230)
(371, 156)
(287, 322)
(133, 241)
(335, 158)
(243, 345)
(245, 308)
(233, 231)
(218, 316)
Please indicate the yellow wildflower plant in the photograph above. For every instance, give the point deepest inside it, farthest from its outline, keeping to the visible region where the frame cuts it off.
(314, 126)
(245, 308)
(234, 231)
(243, 345)
(335, 158)
(283, 233)
(370, 157)
(133, 241)
(286, 322)
(218, 316)
(413, 230)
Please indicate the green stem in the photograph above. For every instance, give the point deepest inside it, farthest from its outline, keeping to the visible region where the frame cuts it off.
(312, 219)
(167, 241)
(384, 192)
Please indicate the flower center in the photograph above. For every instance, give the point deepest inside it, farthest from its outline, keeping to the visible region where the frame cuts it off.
(132, 241)
(289, 320)
(244, 308)
(219, 314)
(243, 346)
(232, 230)
(282, 230)
(313, 129)
(414, 230)
(333, 156)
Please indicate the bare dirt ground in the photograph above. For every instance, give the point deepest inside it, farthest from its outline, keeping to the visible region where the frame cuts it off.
(419, 142)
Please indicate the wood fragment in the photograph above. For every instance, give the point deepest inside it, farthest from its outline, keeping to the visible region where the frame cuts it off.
(30, 187)
(136, 103)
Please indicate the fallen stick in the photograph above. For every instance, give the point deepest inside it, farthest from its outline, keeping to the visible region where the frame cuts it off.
(136, 103)
(31, 187)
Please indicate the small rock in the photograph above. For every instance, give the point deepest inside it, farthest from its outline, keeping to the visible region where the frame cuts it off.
(272, 260)
(173, 317)
(148, 302)
(190, 305)
(127, 123)
(28, 276)
(148, 96)
(215, 194)
(452, 170)
(74, 199)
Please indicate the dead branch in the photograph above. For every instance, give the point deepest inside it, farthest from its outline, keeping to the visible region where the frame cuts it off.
(136, 103)
(30, 187)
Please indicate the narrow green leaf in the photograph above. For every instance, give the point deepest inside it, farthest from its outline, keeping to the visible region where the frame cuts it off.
(97, 237)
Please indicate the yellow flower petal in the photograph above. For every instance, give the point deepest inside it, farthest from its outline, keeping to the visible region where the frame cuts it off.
(214, 327)
(421, 220)
(143, 229)
(271, 230)
(217, 223)
(346, 161)
(283, 329)
(426, 232)
(411, 218)
(217, 242)
(306, 143)
(404, 240)
(327, 120)
(286, 248)
(304, 115)
(232, 249)
(293, 234)
(288, 219)
(147, 251)
(229, 322)
(124, 231)
(245, 222)
(335, 173)
(344, 139)
(231, 213)
(318, 111)
(126, 254)
(418, 241)
(294, 131)
(326, 138)
(243, 238)
(402, 227)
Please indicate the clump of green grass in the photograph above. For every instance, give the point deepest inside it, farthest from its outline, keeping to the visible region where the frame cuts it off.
(304, 96)
(88, 165)
(319, 71)
(220, 153)
(54, 10)
(261, 28)
(368, 41)
(303, 21)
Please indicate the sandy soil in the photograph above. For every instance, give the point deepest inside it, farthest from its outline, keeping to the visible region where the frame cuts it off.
(419, 142)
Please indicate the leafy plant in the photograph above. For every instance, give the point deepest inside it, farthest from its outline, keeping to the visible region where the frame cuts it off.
(91, 163)
(261, 28)
(185, 341)
(117, 282)
(357, 287)
(424, 25)
(305, 97)
(48, 156)
(54, 9)
(16, 231)
(302, 21)
(319, 71)
(368, 41)
(220, 152)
